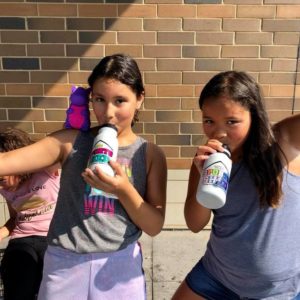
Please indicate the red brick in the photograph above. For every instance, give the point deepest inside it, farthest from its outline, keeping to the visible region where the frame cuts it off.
(47, 127)
(26, 37)
(136, 37)
(216, 11)
(175, 64)
(162, 128)
(162, 51)
(284, 65)
(15, 102)
(162, 103)
(26, 126)
(137, 10)
(18, 9)
(241, 25)
(182, 11)
(256, 11)
(202, 24)
(163, 77)
(179, 163)
(175, 90)
(171, 151)
(24, 89)
(163, 24)
(25, 114)
(132, 50)
(288, 11)
(57, 9)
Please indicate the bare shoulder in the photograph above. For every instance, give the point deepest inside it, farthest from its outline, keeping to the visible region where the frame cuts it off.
(154, 151)
(64, 140)
(155, 156)
(64, 135)
(287, 132)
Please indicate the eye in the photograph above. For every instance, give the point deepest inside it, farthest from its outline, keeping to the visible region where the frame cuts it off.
(97, 100)
(207, 121)
(232, 122)
(120, 100)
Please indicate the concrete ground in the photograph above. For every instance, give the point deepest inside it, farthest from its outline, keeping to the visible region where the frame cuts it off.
(168, 257)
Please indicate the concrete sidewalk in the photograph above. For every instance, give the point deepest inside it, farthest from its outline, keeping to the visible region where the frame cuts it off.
(168, 257)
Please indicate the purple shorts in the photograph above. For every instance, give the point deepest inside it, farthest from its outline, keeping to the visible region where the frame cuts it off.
(115, 275)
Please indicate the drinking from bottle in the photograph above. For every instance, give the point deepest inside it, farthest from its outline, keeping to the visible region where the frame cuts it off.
(214, 180)
(105, 148)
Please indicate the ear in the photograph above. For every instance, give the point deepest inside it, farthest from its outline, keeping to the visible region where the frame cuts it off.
(140, 100)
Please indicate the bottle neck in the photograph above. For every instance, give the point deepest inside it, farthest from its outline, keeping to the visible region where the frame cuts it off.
(226, 150)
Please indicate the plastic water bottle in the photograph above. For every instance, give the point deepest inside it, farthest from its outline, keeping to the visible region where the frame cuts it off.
(213, 184)
(105, 148)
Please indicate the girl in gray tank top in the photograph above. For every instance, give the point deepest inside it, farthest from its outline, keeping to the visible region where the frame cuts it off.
(93, 251)
(253, 250)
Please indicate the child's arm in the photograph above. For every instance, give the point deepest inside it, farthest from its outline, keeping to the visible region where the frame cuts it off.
(44, 153)
(10, 224)
(156, 192)
(149, 213)
(288, 137)
(289, 129)
(196, 216)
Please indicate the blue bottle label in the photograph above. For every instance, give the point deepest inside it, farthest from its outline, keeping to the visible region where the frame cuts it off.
(216, 175)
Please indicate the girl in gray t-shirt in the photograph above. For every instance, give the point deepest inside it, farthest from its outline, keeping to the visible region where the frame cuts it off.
(253, 251)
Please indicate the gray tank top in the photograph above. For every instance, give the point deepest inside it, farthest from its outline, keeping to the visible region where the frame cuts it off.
(87, 220)
(256, 252)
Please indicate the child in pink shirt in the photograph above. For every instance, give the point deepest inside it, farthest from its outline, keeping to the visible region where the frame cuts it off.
(31, 200)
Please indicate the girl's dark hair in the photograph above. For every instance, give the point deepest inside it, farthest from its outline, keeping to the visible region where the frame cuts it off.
(13, 138)
(261, 152)
(120, 67)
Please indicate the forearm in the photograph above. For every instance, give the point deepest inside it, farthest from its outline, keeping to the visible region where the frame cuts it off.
(148, 218)
(196, 216)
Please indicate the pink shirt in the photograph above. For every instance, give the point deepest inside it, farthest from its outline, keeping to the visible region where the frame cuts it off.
(34, 202)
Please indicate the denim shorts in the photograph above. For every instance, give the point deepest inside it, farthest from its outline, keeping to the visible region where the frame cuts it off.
(204, 284)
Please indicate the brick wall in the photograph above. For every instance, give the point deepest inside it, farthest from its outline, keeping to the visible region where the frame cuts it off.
(46, 46)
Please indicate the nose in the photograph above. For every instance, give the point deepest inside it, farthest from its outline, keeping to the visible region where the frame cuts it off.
(220, 134)
(109, 113)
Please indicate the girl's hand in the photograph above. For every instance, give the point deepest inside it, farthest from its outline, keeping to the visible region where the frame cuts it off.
(9, 183)
(4, 232)
(99, 180)
(204, 151)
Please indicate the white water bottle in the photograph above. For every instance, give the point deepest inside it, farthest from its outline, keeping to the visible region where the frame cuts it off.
(105, 148)
(214, 180)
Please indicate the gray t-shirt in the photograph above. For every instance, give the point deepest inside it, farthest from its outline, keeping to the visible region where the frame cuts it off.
(87, 220)
(255, 252)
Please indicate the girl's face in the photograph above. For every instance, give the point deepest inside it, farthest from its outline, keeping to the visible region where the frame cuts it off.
(115, 103)
(227, 121)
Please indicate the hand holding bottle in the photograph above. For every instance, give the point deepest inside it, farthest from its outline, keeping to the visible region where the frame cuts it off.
(105, 148)
(214, 179)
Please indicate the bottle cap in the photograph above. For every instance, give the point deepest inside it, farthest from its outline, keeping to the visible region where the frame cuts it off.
(226, 150)
(109, 125)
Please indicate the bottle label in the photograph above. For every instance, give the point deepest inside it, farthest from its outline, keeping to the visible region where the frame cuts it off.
(101, 153)
(216, 175)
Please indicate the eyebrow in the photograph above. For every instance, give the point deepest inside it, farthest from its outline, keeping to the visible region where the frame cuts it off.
(227, 118)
